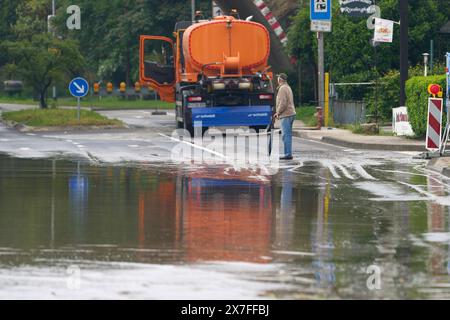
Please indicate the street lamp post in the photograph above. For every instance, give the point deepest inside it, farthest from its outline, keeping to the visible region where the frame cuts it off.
(425, 64)
(193, 10)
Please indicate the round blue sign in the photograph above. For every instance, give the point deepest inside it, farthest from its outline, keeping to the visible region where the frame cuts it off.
(79, 87)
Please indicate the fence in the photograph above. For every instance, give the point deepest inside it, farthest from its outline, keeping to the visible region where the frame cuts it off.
(348, 112)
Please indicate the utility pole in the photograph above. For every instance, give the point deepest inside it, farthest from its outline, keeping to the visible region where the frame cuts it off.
(321, 69)
(404, 26)
(53, 33)
(193, 10)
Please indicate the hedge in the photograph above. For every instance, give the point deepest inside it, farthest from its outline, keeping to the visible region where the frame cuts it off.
(417, 101)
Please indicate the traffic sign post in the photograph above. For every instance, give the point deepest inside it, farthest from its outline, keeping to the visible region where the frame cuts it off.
(79, 88)
(320, 10)
(321, 22)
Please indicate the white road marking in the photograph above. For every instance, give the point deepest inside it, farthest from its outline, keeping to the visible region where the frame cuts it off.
(363, 173)
(330, 167)
(345, 171)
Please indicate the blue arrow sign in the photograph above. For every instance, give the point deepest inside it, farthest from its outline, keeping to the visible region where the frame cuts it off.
(79, 87)
(321, 9)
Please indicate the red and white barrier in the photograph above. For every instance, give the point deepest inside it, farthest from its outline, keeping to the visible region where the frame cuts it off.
(434, 124)
(276, 27)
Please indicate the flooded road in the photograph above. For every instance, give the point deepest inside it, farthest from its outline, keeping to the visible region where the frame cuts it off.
(314, 230)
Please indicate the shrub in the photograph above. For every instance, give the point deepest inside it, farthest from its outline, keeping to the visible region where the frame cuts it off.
(417, 101)
(389, 88)
(388, 96)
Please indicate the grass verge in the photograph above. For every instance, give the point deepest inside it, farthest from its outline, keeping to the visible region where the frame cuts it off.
(96, 102)
(358, 129)
(59, 117)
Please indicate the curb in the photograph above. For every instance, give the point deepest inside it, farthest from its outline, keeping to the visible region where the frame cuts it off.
(360, 145)
(20, 127)
(128, 109)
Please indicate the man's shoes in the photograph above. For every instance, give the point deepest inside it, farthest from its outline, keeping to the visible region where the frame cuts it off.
(286, 158)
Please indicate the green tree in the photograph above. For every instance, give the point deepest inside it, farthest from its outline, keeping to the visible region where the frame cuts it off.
(42, 60)
(348, 51)
(110, 30)
(8, 18)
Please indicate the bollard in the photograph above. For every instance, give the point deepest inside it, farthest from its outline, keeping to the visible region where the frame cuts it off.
(319, 118)
(96, 88)
(109, 88)
(137, 87)
(123, 87)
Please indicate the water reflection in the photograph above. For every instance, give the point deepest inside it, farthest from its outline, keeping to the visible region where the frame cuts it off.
(438, 260)
(319, 234)
(79, 201)
(322, 238)
(224, 217)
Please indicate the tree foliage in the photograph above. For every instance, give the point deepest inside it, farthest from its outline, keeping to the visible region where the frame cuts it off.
(349, 53)
(36, 56)
(110, 31)
(43, 60)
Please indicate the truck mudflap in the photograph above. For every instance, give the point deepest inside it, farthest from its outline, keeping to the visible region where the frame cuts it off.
(232, 116)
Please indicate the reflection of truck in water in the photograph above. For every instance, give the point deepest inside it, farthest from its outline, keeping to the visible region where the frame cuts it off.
(215, 71)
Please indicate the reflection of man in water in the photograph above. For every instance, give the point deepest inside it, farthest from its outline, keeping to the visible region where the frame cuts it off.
(286, 215)
(286, 192)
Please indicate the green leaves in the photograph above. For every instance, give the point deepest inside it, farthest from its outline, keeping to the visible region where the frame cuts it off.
(348, 51)
(417, 101)
(41, 61)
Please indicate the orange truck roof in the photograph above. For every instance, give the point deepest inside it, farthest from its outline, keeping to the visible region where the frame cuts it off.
(226, 37)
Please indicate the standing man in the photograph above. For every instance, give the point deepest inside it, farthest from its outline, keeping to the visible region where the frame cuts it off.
(285, 111)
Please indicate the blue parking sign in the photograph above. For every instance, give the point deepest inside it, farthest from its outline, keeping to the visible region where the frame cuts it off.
(321, 9)
(79, 87)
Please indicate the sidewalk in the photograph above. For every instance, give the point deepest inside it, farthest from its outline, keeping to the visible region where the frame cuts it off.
(346, 138)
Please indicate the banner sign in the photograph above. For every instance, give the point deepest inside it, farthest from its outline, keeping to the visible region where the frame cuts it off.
(384, 30)
(321, 25)
(216, 9)
(400, 122)
(357, 8)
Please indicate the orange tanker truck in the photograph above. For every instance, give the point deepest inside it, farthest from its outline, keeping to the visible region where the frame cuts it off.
(216, 71)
